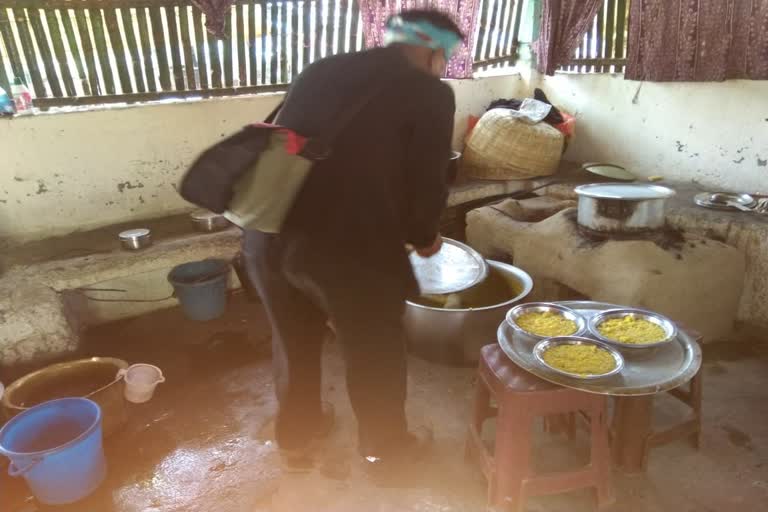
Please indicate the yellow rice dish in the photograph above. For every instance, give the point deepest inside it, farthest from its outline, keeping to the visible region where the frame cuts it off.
(580, 359)
(632, 331)
(546, 323)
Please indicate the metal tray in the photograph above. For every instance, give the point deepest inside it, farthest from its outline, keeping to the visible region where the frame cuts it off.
(704, 200)
(646, 373)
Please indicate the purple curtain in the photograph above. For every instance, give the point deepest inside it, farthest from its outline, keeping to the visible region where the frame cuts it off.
(216, 12)
(464, 12)
(563, 25)
(698, 40)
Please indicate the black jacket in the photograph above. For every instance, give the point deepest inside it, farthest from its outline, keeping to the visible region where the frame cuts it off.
(384, 183)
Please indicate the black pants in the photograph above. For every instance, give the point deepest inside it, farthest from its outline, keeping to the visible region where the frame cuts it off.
(300, 295)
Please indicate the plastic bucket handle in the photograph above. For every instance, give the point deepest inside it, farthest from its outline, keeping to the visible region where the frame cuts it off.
(14, 471)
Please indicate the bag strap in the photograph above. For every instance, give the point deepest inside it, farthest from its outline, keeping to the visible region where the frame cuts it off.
(319, 148)
(273, 115)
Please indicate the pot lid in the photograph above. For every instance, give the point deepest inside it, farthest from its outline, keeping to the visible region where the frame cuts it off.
(133, 234)
(454, 268)
(613, 171)
(627, 191)
(204, 215)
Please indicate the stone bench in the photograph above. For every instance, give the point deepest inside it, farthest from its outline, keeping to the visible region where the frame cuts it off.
(52, 289)
(44, 289)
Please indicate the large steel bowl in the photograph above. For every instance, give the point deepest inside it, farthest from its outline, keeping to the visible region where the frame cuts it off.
(455, 336)
(95, 378)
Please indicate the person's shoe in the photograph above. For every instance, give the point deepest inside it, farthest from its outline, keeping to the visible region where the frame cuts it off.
(302, 460)
(386, 465)
(322, 430)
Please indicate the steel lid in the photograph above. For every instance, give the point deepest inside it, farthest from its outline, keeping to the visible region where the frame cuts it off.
(454, 268)
(204, 215)
(626, 191)
(615, 172)
(133, 234)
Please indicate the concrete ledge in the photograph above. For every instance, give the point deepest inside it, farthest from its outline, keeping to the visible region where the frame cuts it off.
(472, 190)
(53, 289)
(43, 311)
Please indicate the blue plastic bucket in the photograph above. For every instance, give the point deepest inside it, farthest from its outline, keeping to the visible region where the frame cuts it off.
(201, 287)
(57, 447)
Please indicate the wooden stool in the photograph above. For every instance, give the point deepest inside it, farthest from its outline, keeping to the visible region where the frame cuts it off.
(522, 397)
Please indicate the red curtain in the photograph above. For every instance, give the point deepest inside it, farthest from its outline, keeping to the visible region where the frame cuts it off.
(216, 12)
(698, 40)
(375, 13)
(563, 25)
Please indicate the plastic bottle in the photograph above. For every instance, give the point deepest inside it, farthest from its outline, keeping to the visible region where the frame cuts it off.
(21, 96)
(6, 104)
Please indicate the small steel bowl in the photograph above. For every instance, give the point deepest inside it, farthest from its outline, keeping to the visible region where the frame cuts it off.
(135, 239)
(670, 330)
(209, 222)
(544, 345)
(541, 307)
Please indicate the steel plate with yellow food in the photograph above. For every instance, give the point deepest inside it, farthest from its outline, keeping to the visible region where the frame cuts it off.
(632, 328)
(542, 320)
(580, 358)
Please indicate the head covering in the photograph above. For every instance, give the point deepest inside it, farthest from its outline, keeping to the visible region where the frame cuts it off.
(421, 33)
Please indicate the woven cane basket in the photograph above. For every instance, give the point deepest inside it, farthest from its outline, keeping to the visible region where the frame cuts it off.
(503, 147)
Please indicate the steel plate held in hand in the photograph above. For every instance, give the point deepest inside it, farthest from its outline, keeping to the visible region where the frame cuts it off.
(454, 268)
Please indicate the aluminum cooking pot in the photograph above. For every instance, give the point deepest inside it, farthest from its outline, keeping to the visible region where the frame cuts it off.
(622, 207)
(455, 336)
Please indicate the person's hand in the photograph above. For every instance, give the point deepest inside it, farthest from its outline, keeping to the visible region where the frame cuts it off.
(426, 252)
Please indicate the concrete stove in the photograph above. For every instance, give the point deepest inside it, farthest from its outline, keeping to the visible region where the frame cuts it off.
(690, 278)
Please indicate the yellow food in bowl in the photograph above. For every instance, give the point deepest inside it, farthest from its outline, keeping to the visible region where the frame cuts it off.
(632, 330)
(546, 323)
(580, 359)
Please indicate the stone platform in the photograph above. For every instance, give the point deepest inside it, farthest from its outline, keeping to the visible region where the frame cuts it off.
(688, 277)
(50, 290)
(745, 231)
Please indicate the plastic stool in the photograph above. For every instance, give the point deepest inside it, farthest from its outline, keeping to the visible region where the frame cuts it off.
(633, 419)
(522, 397)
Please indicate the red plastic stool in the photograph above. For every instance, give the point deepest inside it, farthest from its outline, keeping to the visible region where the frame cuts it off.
(522, 397)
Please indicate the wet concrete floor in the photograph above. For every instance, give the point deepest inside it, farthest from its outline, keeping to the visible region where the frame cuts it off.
(199, 445)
